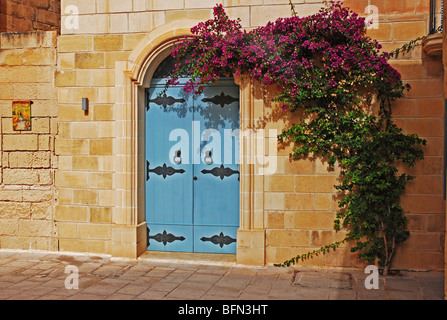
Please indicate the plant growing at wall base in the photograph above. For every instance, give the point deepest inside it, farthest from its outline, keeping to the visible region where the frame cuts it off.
(325, 66)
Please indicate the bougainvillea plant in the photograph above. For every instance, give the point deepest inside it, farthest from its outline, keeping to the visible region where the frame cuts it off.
(328, 68)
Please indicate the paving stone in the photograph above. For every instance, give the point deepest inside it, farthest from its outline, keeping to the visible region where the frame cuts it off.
(38, 291)
(21, 264)
(87, 267)
(233, 283)
(119, 296)
(31, 272)
(108, 270)
(196, 285)
(146, 281)
(212, 270)
(151, 295)
(215, 297)
(204, 277)
(230, 293)
(371, 294)
(45, 265)
(402, 295)
(86, 281)
(258, 289)
(164, 286)
(323, 280)
(342, 295)
(186, 293)
(13, 277)
(184, 273)
(24, 285)
(51, 297)
(263, 279)
(132, 274)
(252, 296)
(132, 289)
(7, 293)
(310, 294)
(402, 284)
(106, 286)
(142, 266)
(85, 296)
(54, 283)
(159, 272)
(4, 284)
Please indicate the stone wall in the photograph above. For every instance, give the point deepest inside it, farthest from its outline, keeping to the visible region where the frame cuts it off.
(422, 111)
(27, 65)
(96, 189)
(298, 202)
(29, 15)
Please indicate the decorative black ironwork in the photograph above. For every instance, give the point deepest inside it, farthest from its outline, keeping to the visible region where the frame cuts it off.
(221, 99)
(221, 172)
(164, 101)
(220, 239)
(162, 171)
(164, 237)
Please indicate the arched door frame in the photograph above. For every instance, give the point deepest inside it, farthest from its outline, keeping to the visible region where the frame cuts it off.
(129, 225)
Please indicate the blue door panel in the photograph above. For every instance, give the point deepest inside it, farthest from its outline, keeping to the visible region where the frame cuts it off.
(215, 239)
(168, 184)
(192, 206)
(216, 200)
(170, 237)
(216, 190)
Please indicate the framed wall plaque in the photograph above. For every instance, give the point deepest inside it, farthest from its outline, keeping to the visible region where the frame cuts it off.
(21, 115)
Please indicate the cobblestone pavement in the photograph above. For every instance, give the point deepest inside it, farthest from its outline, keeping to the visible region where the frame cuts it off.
(42, 276)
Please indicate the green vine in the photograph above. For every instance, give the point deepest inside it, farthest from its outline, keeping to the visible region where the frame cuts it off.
(410, 45)
(292, 8)
(305, 256)
(311, 254)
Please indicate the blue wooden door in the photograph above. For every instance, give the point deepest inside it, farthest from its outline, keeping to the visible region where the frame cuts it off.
(216, 190)
(192, 157)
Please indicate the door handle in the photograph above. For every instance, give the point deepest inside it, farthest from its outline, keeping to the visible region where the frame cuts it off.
(178, 157)
(208, 157)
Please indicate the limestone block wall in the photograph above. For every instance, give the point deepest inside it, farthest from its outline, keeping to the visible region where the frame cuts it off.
(422, 111)
(283, 214)
(299, 201)
(86, 69)
(27, 162)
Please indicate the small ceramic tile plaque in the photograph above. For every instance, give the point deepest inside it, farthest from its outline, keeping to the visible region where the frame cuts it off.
(21, 115)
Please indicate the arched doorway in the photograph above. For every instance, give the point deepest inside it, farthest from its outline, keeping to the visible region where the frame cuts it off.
(132, 77)
(192, 166)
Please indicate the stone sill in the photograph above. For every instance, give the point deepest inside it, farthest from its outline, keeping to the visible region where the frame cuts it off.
(432, 45)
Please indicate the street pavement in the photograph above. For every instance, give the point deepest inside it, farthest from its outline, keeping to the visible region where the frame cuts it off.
(32, 275)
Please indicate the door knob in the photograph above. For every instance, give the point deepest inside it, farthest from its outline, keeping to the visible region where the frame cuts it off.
(195, 178)
(208, 158)
(178, 157)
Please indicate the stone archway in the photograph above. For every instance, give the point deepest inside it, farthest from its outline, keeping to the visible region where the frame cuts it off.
(129, 225)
